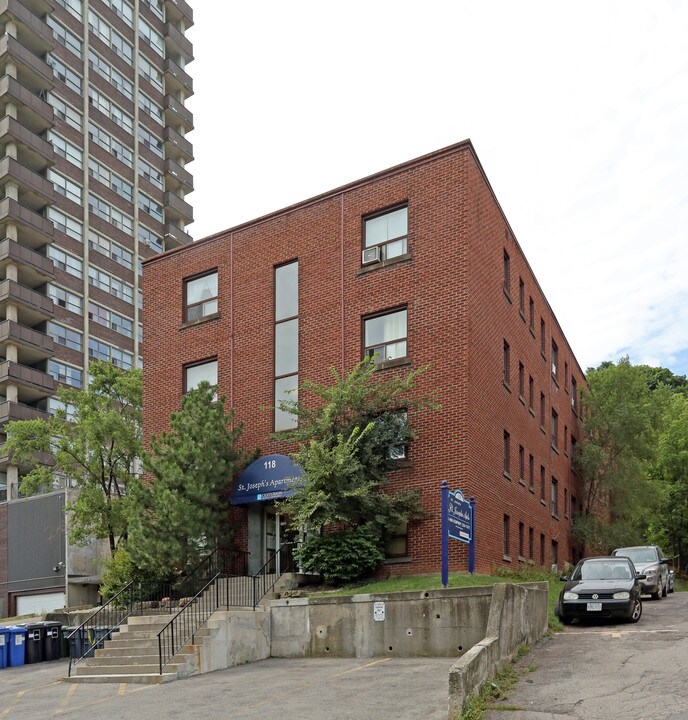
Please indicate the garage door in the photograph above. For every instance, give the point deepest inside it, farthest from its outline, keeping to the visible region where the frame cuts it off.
(38, 604)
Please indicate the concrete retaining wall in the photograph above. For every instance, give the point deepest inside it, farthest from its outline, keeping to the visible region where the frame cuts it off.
(431, 623)
(518, 616)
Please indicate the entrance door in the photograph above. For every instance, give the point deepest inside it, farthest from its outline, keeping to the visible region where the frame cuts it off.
(275, 536)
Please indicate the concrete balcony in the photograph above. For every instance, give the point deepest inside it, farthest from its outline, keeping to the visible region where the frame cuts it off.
(32, 306)
(32, 150)
(32, 31)
(32, 345)
(35, 231)
(176, 43)
(35, 191)
(33, 112)
(176, 115)
(32, 384)
(176, 79)
(177, 146)
(177, 177)
(33, 268)
(179, 11)
(18, 411)
(175, 236)
(177, 209)
(32, 72)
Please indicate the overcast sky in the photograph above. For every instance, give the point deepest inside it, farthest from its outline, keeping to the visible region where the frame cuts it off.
(578, 113)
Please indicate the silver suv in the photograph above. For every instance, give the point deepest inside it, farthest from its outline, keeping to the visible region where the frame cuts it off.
(649, 560)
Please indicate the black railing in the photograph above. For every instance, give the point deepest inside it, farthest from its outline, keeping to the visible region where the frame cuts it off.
(139, 598)
(226, 590)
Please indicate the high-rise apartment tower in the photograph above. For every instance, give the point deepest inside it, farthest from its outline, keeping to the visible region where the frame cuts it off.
(93, 159)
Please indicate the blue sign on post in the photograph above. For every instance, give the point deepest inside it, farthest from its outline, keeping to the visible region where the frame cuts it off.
(271, 477)
(458, 522)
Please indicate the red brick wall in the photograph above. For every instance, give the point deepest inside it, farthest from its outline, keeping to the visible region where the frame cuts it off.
(458, 318)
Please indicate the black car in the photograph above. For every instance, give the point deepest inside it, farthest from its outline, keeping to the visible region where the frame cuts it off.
(601, 587)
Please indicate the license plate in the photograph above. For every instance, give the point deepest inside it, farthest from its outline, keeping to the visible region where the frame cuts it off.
(592, 607)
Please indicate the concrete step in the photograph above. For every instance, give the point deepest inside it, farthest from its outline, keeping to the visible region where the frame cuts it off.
(145, 678)
(179, 659)
(134, 669)
(135, 650)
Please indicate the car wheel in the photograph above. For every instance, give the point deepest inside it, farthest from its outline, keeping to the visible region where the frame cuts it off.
(637, 611)
(657, 595)
(665, 591)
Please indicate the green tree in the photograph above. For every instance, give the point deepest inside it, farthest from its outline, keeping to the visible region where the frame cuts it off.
(183, 508)
(95, 439)
(622, 421)
(350, 434)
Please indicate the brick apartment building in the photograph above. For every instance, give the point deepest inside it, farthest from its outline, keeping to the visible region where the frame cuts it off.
(92, 167)
(417, 264)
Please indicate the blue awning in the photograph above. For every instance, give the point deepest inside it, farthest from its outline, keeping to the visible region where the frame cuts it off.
(271, 477)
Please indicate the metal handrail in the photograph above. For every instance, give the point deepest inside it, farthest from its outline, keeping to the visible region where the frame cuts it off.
(284, 561)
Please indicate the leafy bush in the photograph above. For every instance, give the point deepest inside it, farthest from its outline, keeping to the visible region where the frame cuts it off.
(343, 556)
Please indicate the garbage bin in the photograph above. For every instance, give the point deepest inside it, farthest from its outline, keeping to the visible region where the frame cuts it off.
(94, 639)
(35, 650)
(17, 647)
(67, 630)
(4, 646)
(52, 640)
(75, 637)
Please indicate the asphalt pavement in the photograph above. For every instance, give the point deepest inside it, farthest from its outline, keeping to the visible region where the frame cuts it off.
(608, 671)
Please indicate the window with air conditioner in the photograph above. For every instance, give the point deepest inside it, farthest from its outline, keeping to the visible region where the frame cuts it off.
(385, 236)
(385, 336)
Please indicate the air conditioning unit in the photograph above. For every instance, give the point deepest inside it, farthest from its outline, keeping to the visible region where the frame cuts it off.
(371, 255)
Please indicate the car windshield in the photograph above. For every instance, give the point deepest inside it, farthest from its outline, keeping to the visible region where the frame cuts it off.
(639, 555)
(602, 570)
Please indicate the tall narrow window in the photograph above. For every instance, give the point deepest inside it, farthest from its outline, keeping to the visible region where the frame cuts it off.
(521, 465)
(506, 269)
(574, 394)
(542, 483)
(531, 315)
(555, 361)
(286, 342)
(542, 336)
(385, 336)
(531, 395)
(566, 375)
(555, 498)
(386, 235)
(554, 429)
(506, 371)
(531, 473)
(521, 540)
(521, 380)
(531, 543)
(507, 533)
(542, 548)
(522, 298)
(542, 411)
(555, 553)
(507, 454)
(566, 502)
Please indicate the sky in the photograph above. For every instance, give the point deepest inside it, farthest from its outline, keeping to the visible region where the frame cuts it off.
(577, 111)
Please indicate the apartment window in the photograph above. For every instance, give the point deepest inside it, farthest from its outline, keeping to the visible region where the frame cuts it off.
(531, 315)
(521, 465)
(397, 545)
(400, 421)
(65, 373)
(64, 36)
(151, 37)
(554, 429)
(108, 283)
(384, 336)
(521, 380)
(147, 139)
(506, 534)
(108, 178)
(3, 487)
(110, 319)
(531, 543)
(555, 553)
(574, 394)
(555, 361)
(542, 336)
(72, 6)
(554, 498)
(286, 343)
(65, 336)
(531, 394)
(67, 225)
(115, 217)
(110, 37)
(65, 261)
(566, 439)
(148, 237)
(65, 149)
(542, 482)
(542, 410)
(67, 411)
(542, 548)
(506, 363)
(65, 299)
(122, 9)
(194, 375)
(98, 350)
(148, 71)
(147, 204)
(566, 502)
(522, 298)
(147, 171)
(110, 249)
(65, 74)
(108, 108)
(531, 473)
(507, 454)
(389, 232)
(521, 541)
(200, 297)
(156, 7)
(68, 188)
(566, 376)
(152, 109)
(65, 112)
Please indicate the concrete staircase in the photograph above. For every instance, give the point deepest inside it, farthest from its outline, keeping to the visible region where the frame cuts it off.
(132, 655)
